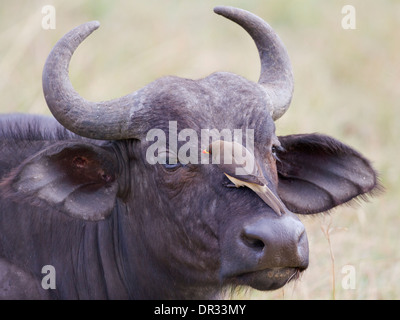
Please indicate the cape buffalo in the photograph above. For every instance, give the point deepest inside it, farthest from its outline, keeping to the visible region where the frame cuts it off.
(86, 214)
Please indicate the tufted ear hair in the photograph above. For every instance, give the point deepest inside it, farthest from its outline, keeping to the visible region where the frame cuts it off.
(75, 178)
(317, 173)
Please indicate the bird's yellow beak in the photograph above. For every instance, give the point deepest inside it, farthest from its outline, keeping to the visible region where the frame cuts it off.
(263, 192)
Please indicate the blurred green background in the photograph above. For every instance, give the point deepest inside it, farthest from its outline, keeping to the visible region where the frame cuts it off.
(346, 85)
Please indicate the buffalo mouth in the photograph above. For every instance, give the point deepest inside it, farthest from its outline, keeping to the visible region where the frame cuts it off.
(269, 279)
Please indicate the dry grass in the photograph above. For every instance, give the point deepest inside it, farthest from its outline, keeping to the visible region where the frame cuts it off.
(346, 86)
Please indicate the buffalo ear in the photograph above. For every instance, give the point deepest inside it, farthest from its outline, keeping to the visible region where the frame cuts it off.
(75, 178)
(317, 173)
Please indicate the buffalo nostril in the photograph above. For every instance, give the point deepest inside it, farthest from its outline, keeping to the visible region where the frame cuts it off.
(275, 242)
(253, 241)
(302, 236)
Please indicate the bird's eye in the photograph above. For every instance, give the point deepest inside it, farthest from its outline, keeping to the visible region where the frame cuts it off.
(275, 149)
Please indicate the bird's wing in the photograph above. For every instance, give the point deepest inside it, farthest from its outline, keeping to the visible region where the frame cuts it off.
(243, 173)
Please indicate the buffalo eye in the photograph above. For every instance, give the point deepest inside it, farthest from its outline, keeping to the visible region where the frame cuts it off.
(171, 166)
(171, 162)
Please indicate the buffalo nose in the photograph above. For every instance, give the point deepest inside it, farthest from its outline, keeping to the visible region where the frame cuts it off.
(277, 242)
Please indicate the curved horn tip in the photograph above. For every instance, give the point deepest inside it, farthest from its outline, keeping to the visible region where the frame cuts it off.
(223, 9)
(276, 75)
(93, 24)
(219, 9)
(85, 29)
(90, 26)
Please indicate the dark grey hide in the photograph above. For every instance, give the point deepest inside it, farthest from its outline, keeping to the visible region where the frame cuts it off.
(83, 198)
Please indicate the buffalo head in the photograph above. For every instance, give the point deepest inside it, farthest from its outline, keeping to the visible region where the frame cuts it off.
(179, 227)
